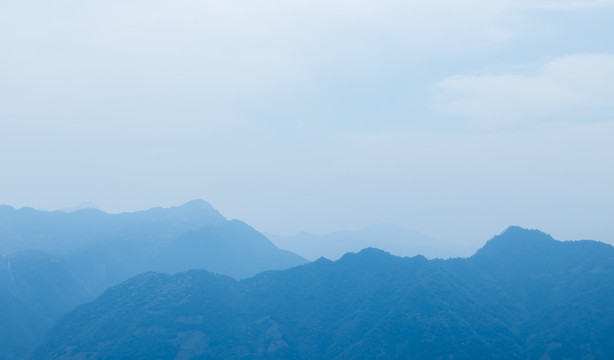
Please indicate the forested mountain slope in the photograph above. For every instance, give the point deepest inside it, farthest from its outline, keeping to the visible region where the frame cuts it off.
(523, 295)
(53, 261)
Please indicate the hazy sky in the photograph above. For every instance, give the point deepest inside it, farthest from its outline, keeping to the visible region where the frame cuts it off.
(454, 118)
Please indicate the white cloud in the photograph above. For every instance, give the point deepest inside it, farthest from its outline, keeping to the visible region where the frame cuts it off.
(569, 86)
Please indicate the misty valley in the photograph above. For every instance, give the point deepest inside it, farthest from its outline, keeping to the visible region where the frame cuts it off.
(186, 283)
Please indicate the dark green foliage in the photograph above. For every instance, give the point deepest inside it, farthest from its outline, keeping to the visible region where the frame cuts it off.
(523, 295)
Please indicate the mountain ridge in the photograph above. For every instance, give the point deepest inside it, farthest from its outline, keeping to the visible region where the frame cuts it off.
(390, 237)
(96, 250)
(368, 304)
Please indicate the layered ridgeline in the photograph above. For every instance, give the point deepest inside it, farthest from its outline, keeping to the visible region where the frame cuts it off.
(523, 295)
(107, 248)
(54, 260)
(389, 237)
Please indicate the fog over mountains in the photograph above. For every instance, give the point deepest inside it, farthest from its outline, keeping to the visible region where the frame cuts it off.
(389, 237)
(108, 248)
(55, 260)
(523, 295)
(186, 283)
(423, 179)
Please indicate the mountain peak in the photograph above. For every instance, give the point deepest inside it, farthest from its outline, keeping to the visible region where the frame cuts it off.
(197, 203)
(517, 240)
(192, 210)
(368, 255)
(520, 235)
(83, 206)
(514, 230)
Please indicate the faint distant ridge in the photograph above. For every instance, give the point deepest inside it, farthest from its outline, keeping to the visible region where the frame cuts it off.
(82, 206)
(389, 237)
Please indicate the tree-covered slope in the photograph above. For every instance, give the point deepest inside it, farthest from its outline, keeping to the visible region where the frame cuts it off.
(523, 295)
(35, 290)
(53, 261)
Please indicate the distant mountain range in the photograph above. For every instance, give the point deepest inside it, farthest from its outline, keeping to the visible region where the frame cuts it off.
(392, 238)
(523, 295)
(54, 260)
(60, 232)
(82, 206)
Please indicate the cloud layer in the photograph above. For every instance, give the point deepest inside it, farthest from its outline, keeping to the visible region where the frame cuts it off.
(566, 88)
(313, 115)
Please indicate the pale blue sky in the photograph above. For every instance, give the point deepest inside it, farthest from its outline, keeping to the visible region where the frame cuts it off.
(455, 118)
